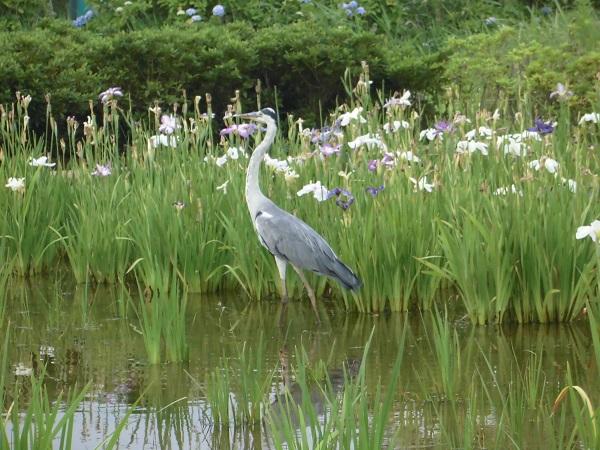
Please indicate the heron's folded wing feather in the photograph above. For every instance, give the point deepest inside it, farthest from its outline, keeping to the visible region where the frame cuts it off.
(288, 237)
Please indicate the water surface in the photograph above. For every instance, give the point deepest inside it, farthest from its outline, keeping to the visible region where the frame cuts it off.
(84, 336)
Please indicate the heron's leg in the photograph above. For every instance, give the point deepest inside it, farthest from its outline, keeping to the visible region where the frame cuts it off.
(309, 290)
(281, 266)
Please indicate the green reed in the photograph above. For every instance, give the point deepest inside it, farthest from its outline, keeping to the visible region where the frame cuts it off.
(97, 236)
(44, 422)
(162, 318)
(445, 344)
(586, 430)
(31, 419)
(35, 421)
(593, 311)
(313, 413)
(218, 391)
(254, 383)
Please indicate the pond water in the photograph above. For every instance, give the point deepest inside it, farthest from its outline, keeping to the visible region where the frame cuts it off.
(82, 336)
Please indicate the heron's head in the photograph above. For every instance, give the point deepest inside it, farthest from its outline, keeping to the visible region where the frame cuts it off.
(265, 116)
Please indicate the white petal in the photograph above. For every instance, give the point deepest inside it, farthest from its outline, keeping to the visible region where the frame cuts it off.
(583, 232)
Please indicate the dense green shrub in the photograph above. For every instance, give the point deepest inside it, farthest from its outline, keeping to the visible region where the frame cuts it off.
(304, 62)
(530, 60)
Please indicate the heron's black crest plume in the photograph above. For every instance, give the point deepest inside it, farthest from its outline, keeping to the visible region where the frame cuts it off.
(269, 112)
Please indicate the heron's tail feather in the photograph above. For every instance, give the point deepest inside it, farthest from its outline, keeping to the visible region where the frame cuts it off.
(345, 276)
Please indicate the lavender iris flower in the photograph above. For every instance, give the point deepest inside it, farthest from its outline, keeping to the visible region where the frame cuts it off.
(561, 93)
(373, 165)
(388, 160)
(218, 11)
(102, 170)
(110, 93)
(443, 126)
(542, 127)
(227, 131)
(374, 190)
(244, 130)
(344, 198)
(324, 134)
(83, 19)
(361, 11)
(328, 149)
(168, 124)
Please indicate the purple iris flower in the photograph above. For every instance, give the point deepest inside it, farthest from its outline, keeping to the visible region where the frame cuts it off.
(102, 170)
(344, 198)
(323, 135)
(541, 127)
(373, 165)
(245, 130)
(227, 131)
(388, 160)
(374, 190)
(328, 149)
(110, 94)
(443, 126)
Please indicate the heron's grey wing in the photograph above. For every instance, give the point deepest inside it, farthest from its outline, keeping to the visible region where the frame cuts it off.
(287, 237)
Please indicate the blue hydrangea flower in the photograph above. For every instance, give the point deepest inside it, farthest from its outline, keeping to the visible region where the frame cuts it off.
(218, 10)
(196, 18)
(191, 11)
(83, 19)
(352, 8)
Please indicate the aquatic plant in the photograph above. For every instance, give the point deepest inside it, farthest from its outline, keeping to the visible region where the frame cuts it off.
(162, 318)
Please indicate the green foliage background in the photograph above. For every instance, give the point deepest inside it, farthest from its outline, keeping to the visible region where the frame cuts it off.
(299, 53)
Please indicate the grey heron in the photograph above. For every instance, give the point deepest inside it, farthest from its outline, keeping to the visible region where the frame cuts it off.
(287, 238)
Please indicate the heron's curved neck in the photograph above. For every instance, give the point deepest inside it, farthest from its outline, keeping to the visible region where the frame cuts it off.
(253, 192)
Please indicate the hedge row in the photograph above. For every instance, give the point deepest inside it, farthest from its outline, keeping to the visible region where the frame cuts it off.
(304, 62)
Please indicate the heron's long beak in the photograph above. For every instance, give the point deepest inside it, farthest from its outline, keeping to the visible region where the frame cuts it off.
(248, 116)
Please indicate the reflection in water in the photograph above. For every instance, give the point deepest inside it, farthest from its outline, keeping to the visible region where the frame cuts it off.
(81, 335)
